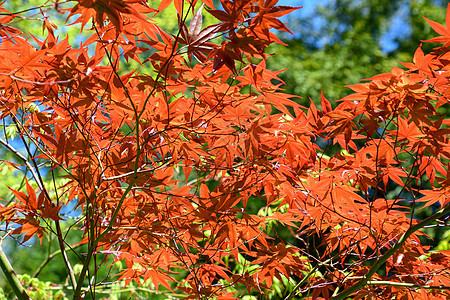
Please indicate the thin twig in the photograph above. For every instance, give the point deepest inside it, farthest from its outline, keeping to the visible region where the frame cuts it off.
(408, 285)
(50, 257)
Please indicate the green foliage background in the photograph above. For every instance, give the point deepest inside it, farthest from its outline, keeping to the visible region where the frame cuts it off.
(342, 43)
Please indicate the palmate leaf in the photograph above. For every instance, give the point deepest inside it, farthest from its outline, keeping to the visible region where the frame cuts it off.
(98, 10)
(196, 22)
(444, 31)
(29, 201)
(158, 278)
(197, 38)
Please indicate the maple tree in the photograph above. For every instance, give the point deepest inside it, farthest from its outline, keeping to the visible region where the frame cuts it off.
(203, 177)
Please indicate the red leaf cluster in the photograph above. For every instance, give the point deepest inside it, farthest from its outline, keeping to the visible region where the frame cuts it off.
(169, 163)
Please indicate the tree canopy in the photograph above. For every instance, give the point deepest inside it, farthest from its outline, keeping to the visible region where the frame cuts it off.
(157, 163)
